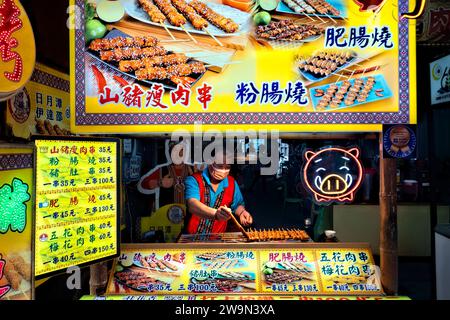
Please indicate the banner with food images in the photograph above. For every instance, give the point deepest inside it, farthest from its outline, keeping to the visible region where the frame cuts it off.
(290, 65)
(271, 270)
(16, 208)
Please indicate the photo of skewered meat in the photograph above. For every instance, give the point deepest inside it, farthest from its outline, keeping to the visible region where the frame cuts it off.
(226, 24)
(223, 264)
(209, 256)
(325, 63)
(283, 277)
(121, 42)
(160, 61)
(153, 12)
(178, 13)
(178, 70)
(175, 18)
(287, 30)
(350, 92)
(234, 275)
(145, 60)
(135, 280)
(198, 22)
(119, 54)
(230, 282)
(312, 7)
(277, 234)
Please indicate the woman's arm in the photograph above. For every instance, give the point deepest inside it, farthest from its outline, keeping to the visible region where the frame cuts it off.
(205, 212)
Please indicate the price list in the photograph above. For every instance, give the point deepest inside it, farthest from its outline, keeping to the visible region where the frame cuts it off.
(76, 203)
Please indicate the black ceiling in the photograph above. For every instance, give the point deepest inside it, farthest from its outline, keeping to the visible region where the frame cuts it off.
(49, 21)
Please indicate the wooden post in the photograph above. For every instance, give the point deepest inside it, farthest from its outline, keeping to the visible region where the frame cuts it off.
(388, 225)
(98, 278)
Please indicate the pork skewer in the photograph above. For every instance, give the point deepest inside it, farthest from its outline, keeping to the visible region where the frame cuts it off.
(166, 7)
(160, 73)
(197, 21)
(165, 61)
(155, 14)
(119, 54)
(121, 42)
(216, 19)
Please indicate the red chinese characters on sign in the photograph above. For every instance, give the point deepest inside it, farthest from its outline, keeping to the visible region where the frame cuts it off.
(10, 23)
(3, 289)
(204, 95)
(132, 96)
(287, 257)
(180, 95)
(106, 97)
(154, 97)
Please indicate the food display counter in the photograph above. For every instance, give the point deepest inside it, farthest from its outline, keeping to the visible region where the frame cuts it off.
(257, 268)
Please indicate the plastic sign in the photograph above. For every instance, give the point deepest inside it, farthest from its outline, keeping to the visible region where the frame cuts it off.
(18, 51)
(77, 202)
(333, 174)
(350, 69)
(440, 80)
(281, 269)
(42, 106)
(399, 141)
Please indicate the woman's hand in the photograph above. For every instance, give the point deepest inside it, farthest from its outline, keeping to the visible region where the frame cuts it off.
(223, 214)
(246, 218)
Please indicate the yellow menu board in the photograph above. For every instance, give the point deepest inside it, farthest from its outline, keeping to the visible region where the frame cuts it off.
(246, 269)
(16, 208)
(77, 202)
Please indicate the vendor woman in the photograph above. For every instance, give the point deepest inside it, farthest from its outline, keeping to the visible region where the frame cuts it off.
(211, 197)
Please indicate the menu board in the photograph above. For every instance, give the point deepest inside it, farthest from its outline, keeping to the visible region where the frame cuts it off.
(291, 270)
(16, 222)
(324, 66)
(77, 202)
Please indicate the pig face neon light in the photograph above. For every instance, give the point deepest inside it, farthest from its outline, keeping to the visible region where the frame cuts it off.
(332, 174)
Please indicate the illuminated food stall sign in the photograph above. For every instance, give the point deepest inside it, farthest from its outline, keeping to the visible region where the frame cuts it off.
(282, 269)
(332, 174)
(325, 67)
(77, 202)
(42, 106)
(18, 51)
(16, 223)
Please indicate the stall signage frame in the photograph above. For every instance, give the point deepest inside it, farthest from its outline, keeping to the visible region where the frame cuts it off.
(59, 143)
(89, 116)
